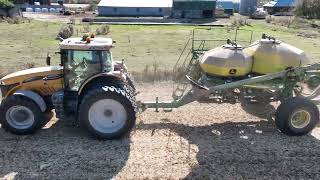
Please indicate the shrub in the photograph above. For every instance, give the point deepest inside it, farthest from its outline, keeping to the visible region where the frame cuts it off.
(291, 22)
(268, 19)
(72, 21)
(5, 71)
(86, 28)
(28, 65)
(103, 30)
(240, 21)
(66, 31)
(154, 73)
(92, 6)
(2, 73)
(15, 20)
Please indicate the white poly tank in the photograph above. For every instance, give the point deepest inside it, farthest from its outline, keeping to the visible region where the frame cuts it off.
(271, 56)
(52, 10)
(29, 10)
(59, 10)
(45, 10)
(226, 61)
(37, 10)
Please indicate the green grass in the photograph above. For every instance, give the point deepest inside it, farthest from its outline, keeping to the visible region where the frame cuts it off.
(138, 45)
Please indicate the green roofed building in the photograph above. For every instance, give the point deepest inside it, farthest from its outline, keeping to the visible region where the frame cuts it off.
(193, 9)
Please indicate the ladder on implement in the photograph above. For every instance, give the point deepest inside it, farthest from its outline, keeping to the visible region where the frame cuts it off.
(188, 65)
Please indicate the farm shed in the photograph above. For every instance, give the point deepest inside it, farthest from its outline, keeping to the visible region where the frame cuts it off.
(279, 6)
(194, 9)
(227, 5)
(135, 8)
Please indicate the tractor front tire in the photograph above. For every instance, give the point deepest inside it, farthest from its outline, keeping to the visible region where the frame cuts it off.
(108, 112)
(21, 115)
(297, 116)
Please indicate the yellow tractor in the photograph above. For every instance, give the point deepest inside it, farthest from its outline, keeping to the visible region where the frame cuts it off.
(87, 84)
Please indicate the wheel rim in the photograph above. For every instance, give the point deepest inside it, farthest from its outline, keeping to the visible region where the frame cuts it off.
(107, 116)
(20, 117)
(300, 119)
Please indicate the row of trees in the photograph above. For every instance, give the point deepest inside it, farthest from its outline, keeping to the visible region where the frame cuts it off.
(308, 8)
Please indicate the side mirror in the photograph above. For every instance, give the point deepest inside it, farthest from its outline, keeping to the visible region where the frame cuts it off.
(48, 60)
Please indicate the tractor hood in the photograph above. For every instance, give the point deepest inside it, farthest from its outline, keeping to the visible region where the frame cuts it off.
(31, 74)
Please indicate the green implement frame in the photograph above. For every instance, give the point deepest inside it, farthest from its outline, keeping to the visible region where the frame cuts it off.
(289, 78)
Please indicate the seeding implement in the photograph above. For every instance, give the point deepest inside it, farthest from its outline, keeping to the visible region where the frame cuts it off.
(265, 71)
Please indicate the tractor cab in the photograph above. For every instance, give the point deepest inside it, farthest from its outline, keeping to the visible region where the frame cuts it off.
(84, 58)
(87, 63)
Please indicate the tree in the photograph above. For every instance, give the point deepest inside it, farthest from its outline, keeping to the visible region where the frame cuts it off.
(6, 4)
(308, 8)
(262, 2)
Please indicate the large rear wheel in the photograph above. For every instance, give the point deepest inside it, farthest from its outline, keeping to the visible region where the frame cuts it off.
(297, 116)
(108, 112)
(131, 83)
(20, 115)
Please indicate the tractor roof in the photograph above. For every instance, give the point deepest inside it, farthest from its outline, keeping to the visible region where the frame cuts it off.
(94, 44)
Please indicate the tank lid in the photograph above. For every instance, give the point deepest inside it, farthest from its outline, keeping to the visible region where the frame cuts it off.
(230, 46)
(269, 41)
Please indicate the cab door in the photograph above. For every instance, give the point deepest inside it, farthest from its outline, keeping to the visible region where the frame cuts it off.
(80, 65)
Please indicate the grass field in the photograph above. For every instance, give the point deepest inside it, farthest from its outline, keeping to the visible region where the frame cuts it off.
(138, 45)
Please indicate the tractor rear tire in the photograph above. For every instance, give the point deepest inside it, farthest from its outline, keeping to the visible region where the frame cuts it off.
(21, 115)
(108, 112)
(131, 83)
(297, 116)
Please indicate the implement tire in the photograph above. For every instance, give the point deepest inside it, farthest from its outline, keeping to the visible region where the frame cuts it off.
(21, 115)
(297, 116)
(107, 112)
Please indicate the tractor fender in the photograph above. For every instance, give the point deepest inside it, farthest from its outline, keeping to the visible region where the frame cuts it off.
(104, 75)
(34, 96)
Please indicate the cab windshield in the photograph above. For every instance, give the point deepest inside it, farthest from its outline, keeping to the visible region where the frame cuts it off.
(81, 65)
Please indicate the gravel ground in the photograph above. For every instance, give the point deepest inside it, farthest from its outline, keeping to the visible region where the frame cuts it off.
(198, 141)
(52, 17)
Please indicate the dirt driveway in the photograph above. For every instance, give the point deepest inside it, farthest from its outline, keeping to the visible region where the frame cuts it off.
(198, 141)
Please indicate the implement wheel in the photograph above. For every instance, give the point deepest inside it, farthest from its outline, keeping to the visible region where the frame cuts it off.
(297, 116)
(20, 115)
(108, 112)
